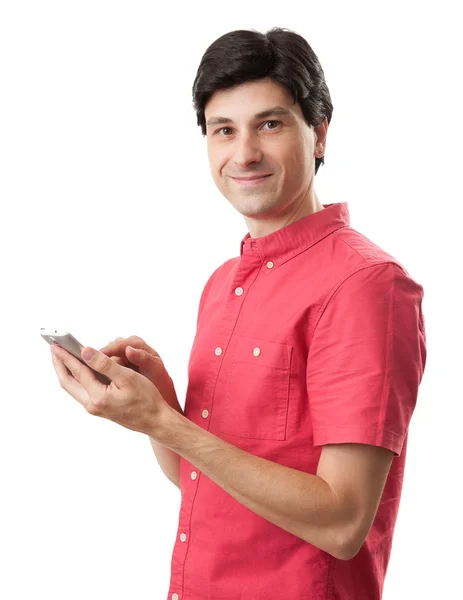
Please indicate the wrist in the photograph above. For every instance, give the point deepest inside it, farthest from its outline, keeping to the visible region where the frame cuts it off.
(162, 428)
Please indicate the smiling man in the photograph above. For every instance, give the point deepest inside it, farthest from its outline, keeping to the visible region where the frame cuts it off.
(304, 372)
(309, 351)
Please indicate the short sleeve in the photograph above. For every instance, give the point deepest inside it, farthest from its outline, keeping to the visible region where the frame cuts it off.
(366, 359)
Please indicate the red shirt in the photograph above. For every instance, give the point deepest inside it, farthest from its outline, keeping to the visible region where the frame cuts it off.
(313, 335)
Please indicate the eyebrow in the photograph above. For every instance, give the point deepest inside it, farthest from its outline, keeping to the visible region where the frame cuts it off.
(269, 112)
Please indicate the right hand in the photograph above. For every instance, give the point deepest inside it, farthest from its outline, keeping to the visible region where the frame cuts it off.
(145, 361)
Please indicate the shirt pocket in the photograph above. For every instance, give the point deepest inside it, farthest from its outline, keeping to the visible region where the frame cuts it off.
(256, 392)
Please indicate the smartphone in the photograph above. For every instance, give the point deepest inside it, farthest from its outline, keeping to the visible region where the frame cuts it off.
(71, 345)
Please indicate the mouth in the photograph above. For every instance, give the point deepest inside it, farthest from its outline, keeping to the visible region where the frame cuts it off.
(251, 181)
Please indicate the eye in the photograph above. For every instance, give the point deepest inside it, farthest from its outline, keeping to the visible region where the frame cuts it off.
(221, 129)
(273, 121)
(265, 122)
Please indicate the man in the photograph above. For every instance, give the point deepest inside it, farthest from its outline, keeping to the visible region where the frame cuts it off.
(304, 372)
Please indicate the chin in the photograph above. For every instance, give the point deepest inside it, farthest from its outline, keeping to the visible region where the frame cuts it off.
(259, 209)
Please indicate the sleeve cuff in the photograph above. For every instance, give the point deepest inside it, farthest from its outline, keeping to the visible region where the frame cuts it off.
(359, 435)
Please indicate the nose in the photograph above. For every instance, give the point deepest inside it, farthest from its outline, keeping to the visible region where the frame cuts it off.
(248, 151)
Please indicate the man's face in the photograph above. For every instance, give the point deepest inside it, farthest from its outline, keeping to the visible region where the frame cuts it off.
(246, 145)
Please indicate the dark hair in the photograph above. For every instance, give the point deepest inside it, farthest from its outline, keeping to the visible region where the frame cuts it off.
(247, 55)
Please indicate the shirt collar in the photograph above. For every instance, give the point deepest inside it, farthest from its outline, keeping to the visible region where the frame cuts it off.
(285, 243)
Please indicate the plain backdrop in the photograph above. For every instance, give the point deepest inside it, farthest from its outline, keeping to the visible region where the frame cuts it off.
(111, 225)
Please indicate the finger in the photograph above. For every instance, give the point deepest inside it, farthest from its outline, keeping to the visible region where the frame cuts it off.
(125, 363)
(140, 359)
(111, 344)
(119, 375)
(119, 349)
(68, 382)
(136, 355)
(128, 362)
(79, 371)
(121, 360)
(118, 346)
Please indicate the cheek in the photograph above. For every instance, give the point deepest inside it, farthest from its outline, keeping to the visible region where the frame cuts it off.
(299, 158)
(217, 162)
(288, 152)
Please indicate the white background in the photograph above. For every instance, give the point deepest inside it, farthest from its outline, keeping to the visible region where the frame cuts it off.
(111, 225)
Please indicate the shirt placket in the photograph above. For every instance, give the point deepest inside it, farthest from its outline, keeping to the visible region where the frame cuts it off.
(246, 273)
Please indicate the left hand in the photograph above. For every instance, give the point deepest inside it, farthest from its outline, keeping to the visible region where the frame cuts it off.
(131, 400)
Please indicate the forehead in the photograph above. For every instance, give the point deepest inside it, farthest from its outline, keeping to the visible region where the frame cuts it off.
(246, 99)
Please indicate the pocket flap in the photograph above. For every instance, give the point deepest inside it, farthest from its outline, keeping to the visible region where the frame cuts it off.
(263, 353)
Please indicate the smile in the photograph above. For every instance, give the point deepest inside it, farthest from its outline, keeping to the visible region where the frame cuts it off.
(250, 182)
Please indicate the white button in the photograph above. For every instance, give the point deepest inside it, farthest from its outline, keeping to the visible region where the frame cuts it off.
(182, 537)
(270, 264)
(205, 413)
(239, 291)
(174, 596)
(193, 475)
(256, 351)
(218, 351)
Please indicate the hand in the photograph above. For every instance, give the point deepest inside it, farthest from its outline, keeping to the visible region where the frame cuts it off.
(131, 400)
(145, 361)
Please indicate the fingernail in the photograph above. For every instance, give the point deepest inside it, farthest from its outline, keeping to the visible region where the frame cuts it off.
(88, 354)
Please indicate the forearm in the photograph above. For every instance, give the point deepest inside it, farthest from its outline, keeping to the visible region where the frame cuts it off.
(300, 503)
(168, 460)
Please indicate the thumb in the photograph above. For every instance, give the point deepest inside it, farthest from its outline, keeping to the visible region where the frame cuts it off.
(136, 354)
(133, 351)
(142, 359)
(103, 364)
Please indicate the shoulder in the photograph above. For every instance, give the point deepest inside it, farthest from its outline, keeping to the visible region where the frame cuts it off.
(358, 260)
(360, 250)
(222, 272)
(216, 280)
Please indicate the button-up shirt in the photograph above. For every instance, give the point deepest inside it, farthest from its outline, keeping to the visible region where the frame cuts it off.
(313, 335)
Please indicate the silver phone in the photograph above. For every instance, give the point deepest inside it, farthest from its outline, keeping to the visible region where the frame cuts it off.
(67, 341)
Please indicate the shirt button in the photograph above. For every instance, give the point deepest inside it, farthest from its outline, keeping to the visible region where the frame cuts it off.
(174, 596)
(218, 351)
(182, 537)
(239, 291)
(270, 264)
(193, 475)
(205, 413)
(256, 351)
